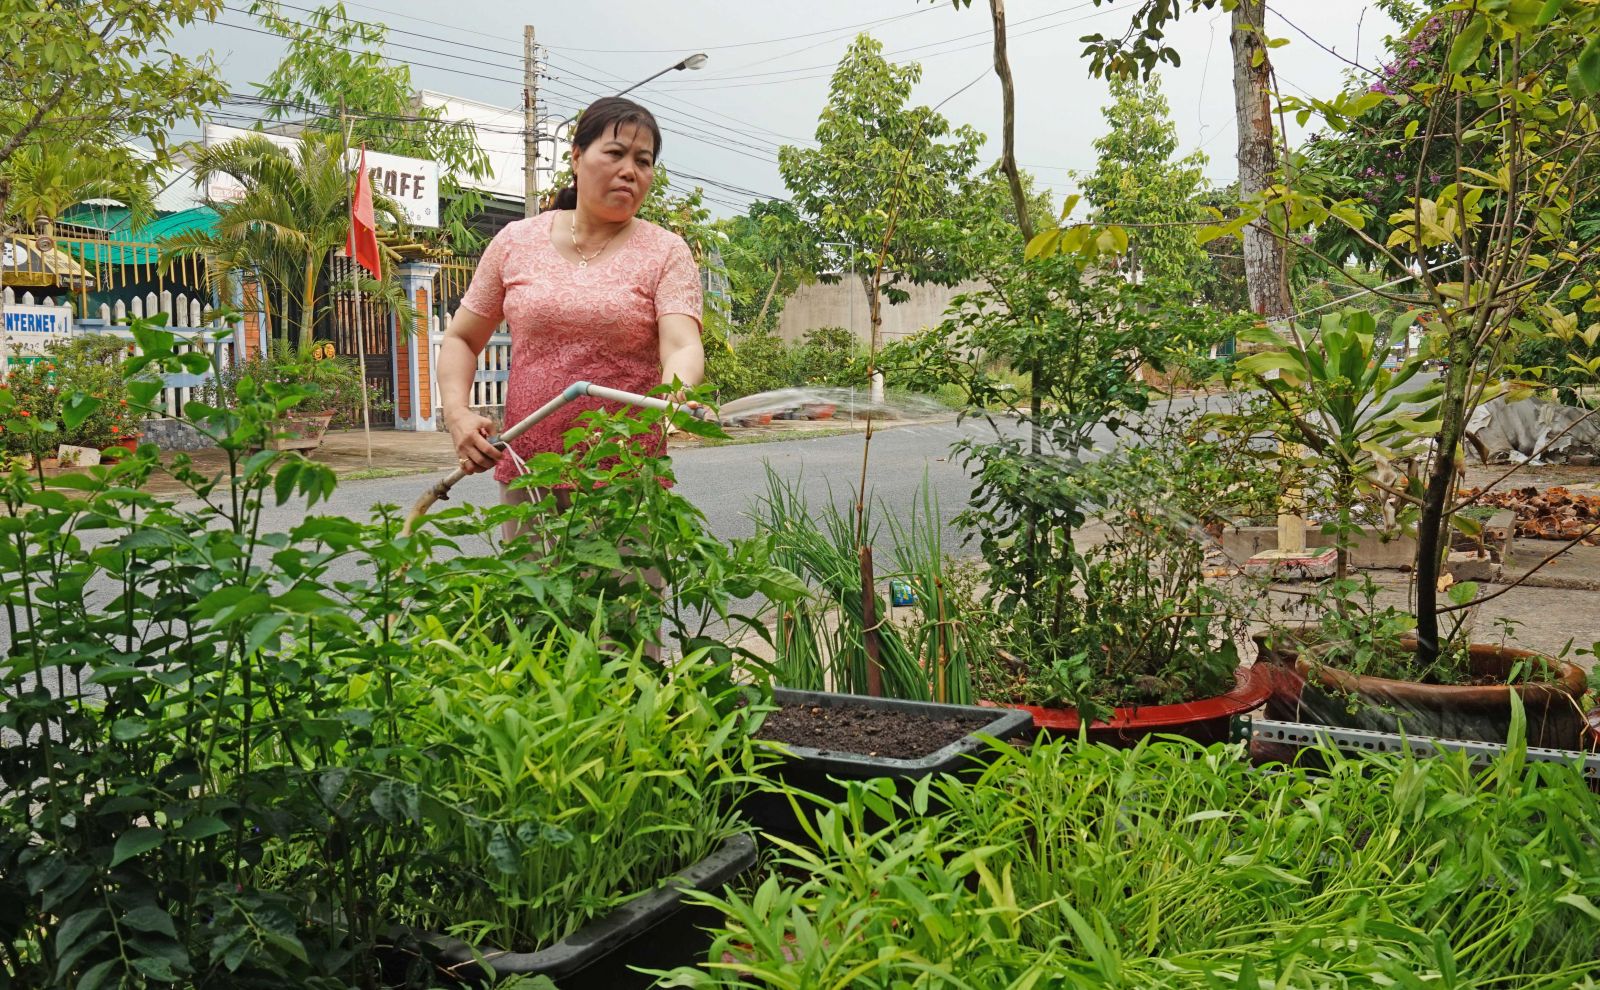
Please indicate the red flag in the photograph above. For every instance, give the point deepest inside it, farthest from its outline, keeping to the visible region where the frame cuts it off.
(362, 242)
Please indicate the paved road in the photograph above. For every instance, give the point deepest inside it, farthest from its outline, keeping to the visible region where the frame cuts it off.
(724, 481)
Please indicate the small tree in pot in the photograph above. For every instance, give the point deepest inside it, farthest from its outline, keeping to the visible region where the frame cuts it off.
(1489, 241)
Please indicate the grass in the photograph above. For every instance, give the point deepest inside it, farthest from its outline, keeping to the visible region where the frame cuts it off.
(376, 473)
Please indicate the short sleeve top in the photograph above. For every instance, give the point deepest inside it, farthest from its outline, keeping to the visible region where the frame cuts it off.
(570, 324)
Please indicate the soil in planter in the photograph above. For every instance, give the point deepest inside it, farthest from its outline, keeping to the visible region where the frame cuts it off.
(868, 731)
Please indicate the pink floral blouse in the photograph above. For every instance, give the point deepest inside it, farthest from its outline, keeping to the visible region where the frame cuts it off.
(571, 324)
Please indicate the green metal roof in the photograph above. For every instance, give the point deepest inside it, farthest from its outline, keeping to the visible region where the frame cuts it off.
(132, 246)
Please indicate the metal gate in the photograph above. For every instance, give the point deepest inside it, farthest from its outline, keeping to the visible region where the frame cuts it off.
(375, 339)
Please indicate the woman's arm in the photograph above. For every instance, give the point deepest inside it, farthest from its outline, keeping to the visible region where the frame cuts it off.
(682, 356)
(466, 338)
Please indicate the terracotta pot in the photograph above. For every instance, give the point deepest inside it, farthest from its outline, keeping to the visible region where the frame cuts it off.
(763, 419)
(1205, 720)
(300, 431)
(129, 444)
(819, 410)
(1325, 695)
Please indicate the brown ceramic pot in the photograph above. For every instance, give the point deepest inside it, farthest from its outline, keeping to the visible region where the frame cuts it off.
(1304, 691)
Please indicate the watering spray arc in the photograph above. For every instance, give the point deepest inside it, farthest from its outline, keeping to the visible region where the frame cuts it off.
(576, 390)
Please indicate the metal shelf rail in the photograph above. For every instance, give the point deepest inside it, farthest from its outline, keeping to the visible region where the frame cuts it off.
(1265, 730)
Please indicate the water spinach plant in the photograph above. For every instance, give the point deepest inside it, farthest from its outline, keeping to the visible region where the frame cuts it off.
(1175, 866)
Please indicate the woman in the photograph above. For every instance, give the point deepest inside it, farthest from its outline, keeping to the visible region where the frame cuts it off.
(589, 292)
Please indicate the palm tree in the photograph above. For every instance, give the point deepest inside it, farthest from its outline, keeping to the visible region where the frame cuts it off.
(295, 211)
(46, 180)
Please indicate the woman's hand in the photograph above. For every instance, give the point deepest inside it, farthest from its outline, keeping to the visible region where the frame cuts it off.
(470, 432)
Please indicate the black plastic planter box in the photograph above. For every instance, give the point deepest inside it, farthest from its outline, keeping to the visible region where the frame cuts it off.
(819, 770)
(656, 931)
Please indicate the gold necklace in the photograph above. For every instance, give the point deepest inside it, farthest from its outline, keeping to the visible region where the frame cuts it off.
(583, 260)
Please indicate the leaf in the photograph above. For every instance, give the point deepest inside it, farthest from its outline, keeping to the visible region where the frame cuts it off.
(149, 918)
(1588, 67)
(128, 729)
(75, 928)
(135, 843)
(1464, 51)
(1548, 12)
(1580, 902)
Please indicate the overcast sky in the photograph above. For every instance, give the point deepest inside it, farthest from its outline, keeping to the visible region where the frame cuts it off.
(769, 63)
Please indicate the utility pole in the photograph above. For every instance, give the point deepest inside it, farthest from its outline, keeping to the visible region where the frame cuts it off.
(530, 134)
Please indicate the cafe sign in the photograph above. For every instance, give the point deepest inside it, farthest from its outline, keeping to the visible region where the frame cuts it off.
(413, 183)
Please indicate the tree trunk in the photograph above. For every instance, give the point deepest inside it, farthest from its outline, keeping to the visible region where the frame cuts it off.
(771, 291)
(1432, 527)
(1263, 251)
(1008, 98)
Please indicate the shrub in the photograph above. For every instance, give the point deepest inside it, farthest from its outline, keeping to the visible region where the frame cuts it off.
(332, 382)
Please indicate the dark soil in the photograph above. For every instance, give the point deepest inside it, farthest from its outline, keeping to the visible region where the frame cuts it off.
(868, 731)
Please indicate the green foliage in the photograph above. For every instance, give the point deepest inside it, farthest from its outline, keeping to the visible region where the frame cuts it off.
(46, 180)
(1133, 620)
(31, 406)
(91, 365)
(1183, 868)
(332, 382)
(760, 362)
(570, 782)
(880, 157)
(233, 741)
(821, 640)
(1137, 182)
(294, 213)
(768, 253)
(336, 63)
(1353, 414)
(86, 76)
(1492, 239)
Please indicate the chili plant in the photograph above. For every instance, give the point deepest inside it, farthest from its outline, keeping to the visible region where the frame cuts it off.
(173, 702)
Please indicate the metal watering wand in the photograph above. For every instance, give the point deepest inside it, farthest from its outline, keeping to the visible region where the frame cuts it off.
(576, 390)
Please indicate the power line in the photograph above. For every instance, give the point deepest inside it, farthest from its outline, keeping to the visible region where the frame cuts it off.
(728, 77)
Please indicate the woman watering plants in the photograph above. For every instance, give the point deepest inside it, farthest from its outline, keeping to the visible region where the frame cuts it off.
(589, 293)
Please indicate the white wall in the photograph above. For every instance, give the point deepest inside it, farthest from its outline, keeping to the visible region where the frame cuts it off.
(820, 305)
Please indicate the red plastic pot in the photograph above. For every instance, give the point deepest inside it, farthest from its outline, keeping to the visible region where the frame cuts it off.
(1204, 720)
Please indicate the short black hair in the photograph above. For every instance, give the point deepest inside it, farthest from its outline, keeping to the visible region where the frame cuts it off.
(607, 113)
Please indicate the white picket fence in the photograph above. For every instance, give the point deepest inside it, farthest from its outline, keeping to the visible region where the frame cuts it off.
(181, 311)
(186, 321)
(494, 369)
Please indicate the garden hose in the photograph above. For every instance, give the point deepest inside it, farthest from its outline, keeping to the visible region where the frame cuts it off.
(576, 390)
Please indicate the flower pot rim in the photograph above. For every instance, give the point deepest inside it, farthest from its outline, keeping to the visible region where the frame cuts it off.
(627, 922)
(1571, 682)
(1001, 725)
(1252, 686)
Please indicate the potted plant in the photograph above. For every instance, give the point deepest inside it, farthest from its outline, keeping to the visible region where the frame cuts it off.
(1138, 638)
(1489, 244)
(91, 364)
(581, 794)
(1081, 867)
(332, 384)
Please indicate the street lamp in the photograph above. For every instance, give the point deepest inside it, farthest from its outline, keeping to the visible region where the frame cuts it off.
(692, 62)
